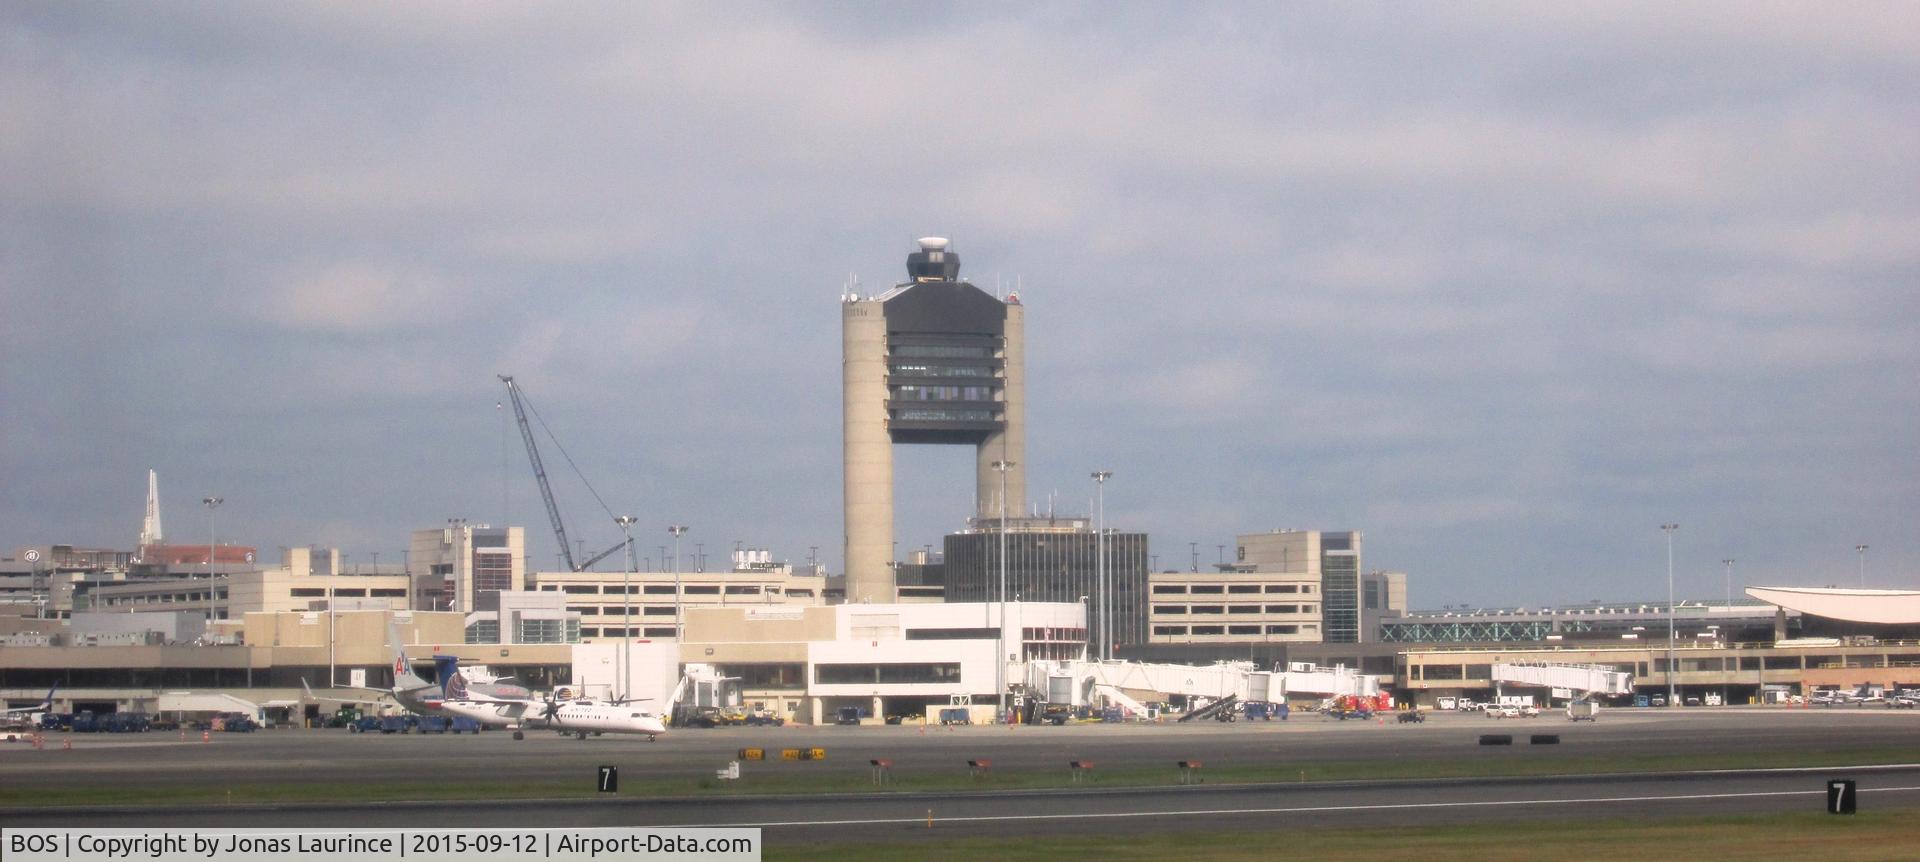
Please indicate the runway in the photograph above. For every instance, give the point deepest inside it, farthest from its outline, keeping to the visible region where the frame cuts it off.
(237, 760)
(335, 755)
(862, 818)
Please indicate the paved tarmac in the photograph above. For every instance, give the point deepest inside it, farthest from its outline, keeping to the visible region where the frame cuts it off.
(872, 818)
(234, 760)
(335, 755)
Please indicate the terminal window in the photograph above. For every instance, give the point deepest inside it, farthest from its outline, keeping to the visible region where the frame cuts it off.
(886, 674)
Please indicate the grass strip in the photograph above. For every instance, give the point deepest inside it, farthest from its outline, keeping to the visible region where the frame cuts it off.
(1866, 837)
(806, 778)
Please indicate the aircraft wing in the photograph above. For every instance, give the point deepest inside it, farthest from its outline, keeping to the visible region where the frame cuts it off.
(325, 699)
(42, 706)
(482, 697)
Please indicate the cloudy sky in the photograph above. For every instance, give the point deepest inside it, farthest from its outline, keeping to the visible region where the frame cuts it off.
(1503, 286)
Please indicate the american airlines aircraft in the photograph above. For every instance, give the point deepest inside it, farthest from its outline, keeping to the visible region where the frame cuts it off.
(427, 698)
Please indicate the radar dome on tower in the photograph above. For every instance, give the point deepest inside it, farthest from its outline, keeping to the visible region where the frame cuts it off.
(933, 262)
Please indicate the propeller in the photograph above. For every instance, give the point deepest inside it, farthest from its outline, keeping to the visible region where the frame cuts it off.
(552, 711)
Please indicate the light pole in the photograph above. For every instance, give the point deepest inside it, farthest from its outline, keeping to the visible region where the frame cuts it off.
(212, 504)
(677, 530)
(1000, 632)
(626, 523)
(1084, 612)
(1668, 529)
(1193, 551)
(1729, 563)
(1100, 553)
(1862, 550)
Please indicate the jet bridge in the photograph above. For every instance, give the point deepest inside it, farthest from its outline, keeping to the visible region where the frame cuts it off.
(1583, 678)
(1125, 683)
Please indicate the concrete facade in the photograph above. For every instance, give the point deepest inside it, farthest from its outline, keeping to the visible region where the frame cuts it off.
(1234, 606)
(895, 659)
(1330, 557)
(456, 566)
(934, 360)
(229, 596)
(596, 597)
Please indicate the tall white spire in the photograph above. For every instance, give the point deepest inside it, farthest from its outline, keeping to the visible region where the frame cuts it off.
(150, 533)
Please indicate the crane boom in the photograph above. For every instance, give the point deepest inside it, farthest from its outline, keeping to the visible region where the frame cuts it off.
(540, 473)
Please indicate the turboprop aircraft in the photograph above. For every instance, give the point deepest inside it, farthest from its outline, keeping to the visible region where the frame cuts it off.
(578, 717)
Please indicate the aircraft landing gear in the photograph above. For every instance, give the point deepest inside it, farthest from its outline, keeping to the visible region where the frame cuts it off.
(519, 735)
(580, 735)
(650, 737)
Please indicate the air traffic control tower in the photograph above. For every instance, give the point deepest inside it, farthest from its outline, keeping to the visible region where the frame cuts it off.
(933, 360)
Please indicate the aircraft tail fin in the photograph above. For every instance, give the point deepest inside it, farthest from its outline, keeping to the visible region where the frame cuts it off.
(403, 675)
(453, 686)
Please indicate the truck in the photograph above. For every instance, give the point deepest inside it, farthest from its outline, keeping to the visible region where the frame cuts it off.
(1582, 710)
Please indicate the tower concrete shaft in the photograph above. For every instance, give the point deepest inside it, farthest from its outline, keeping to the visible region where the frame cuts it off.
(868, 452)
(1008, 444)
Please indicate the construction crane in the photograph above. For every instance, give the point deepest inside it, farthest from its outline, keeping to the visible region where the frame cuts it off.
(546, 490)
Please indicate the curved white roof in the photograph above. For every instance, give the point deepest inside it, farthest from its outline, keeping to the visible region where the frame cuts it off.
(1860, 606)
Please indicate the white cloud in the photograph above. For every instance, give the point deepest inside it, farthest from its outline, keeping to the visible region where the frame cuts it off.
(366, 296)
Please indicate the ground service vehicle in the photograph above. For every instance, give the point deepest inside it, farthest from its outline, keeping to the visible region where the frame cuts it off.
(1583, 710)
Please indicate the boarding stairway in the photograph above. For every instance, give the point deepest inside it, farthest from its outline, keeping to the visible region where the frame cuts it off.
(1121, 699)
